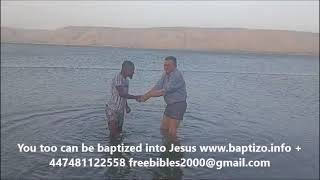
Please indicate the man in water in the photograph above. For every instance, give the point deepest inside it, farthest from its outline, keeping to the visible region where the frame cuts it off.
(173, 88)
(117, 104)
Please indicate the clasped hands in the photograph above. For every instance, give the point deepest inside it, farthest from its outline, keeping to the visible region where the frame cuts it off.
(141, 98)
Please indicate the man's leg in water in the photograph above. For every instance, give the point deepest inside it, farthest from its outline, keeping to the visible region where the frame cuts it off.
(113, 127)
(173, 126)
(112, 122)
(174, 113)
(120, 120)
(164, 125)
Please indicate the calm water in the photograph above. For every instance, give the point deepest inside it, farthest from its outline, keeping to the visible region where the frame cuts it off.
(55, 95)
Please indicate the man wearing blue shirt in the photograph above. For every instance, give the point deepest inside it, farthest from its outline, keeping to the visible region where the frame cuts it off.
(173, 88)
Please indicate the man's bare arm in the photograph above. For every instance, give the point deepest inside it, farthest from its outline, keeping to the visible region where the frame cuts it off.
(123, 94)
(153, 93)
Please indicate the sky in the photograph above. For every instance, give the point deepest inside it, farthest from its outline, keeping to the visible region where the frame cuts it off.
(278, 15)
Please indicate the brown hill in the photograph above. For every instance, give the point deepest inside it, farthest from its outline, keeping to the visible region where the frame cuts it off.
(202, 39)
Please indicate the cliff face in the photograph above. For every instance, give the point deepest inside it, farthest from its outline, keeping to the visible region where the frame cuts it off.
(203, 39)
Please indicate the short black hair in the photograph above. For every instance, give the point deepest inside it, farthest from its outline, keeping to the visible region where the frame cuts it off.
(172, 58)
(127, 64)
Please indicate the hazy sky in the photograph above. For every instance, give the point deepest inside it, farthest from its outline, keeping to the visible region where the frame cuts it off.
(287, 15)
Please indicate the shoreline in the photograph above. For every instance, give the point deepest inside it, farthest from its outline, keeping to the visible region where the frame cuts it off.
(182, 50)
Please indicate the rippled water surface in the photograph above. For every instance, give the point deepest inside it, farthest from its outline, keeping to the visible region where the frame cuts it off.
(55, 95)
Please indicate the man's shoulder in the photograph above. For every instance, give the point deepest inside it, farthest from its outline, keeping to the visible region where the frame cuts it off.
(118, 77)
(118, 80)
(115, 76)
(177, 74)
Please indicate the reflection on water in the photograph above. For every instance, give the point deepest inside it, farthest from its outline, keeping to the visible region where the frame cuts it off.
(170, 172)
(161, 172)
(115, 172)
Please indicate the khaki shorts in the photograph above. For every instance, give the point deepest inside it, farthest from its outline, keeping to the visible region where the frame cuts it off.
(114, 117)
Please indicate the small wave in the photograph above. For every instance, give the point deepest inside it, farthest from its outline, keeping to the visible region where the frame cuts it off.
(19, 119)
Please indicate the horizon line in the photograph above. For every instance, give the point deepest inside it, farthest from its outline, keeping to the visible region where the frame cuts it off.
(156, 27)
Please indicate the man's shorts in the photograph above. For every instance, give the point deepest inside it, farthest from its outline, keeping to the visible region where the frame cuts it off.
(176, 110)
(114, 116)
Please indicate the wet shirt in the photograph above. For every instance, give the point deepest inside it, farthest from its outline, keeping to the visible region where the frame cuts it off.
(117, 103)
(174, 87)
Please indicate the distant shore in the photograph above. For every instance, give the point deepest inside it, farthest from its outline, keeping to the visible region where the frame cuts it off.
(212, 40)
